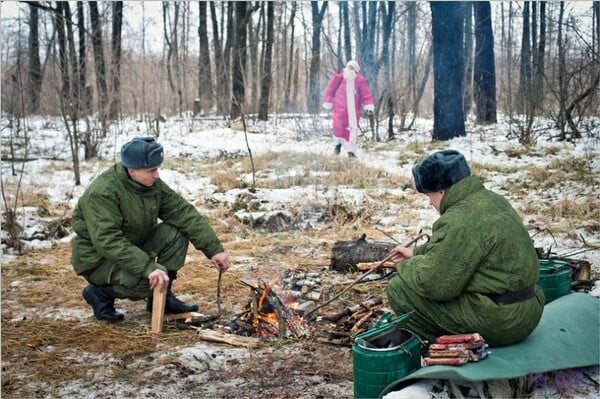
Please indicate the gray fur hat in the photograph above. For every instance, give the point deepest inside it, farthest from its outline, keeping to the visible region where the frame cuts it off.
(142, 153)
(439, 171)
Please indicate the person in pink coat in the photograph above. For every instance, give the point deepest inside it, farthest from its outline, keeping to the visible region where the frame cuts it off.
(346, 108)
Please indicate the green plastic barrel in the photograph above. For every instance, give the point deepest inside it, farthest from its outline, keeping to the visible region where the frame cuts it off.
(555, 278)
(383, 355)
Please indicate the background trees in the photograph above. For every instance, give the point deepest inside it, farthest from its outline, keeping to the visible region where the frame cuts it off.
(530, 60)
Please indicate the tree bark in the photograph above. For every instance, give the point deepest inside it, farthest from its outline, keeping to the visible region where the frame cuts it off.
(117, 23)
(35, 71)
(99, 61)
(205, 87)
(485, 67)
(314, 94)
(448, 66)
(266, 78)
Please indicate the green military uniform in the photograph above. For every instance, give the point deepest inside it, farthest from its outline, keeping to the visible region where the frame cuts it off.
(119, 240)
(478, 247)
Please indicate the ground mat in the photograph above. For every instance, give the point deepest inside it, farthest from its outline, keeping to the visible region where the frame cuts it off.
(568, 336)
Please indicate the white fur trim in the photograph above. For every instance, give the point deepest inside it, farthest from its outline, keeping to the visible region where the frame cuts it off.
(327, 106)
(354, 65)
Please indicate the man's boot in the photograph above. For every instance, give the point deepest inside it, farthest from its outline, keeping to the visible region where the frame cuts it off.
(172, 304)
(102, 300)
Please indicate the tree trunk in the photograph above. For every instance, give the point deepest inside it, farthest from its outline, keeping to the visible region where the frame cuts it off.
(99, 61)
(266, 78)
(347, 42)
(485, 68)
(468, 78)
(117, 23)
(314, 94)
(84, 106)
(290, 92)
(238, 63)
(448, 66)
(35, 72)
(525, 65)
(205, 87)
(539, 69)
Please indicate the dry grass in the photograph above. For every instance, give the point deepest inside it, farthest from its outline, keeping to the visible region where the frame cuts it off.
(42, 344)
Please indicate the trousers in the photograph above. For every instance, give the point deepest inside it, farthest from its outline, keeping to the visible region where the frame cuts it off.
(166, 245)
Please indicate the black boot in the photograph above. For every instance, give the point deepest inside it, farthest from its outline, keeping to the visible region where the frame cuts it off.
(102, 299)
(172, 304)
(338, 148)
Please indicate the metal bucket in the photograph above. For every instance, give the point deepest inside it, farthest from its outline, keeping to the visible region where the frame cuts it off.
(383, 355)
(555, 278)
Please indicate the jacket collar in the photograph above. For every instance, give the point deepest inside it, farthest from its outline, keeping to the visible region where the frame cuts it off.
(459, 191)
(130, 184)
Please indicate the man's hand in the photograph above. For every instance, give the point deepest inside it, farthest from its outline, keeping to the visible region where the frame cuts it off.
(401, 253)
(221, 261)
(158, 278)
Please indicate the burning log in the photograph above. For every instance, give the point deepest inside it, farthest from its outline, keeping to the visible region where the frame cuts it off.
(267, 315)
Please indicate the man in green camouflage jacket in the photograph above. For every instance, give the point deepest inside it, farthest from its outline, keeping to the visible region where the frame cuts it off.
(121, 249)
(478, 271)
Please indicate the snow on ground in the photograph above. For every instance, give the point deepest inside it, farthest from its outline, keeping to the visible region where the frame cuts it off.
(185, 139)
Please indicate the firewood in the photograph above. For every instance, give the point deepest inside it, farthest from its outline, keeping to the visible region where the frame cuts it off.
(226, 338)
(334, 317)
(158, 307)
(366, 266)
(361, 321)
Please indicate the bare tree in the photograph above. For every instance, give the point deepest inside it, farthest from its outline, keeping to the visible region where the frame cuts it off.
(448, 66)
(205, 86)
(314, 92)
(99, 62)
(117, 23)
(266, 78)
(35, 73)
(484, 68)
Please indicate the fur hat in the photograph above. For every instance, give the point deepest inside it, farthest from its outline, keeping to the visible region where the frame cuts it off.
(142, 153)
(439, 171)
(354, 65)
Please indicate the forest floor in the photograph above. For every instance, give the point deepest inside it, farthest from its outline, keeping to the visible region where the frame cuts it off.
(306, 200)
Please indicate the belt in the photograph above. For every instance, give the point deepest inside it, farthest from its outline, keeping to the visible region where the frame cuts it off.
(515, 296)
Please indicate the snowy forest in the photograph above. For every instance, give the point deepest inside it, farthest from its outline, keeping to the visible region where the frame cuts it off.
(234, 90)
(101, 61)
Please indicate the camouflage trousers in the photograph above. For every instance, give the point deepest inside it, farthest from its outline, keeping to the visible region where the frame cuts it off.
(166, 245)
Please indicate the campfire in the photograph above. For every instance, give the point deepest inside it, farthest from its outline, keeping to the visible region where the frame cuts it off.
(268, 315)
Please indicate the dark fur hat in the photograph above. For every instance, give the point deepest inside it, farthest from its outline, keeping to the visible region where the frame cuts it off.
(142, 153)
(439, 171)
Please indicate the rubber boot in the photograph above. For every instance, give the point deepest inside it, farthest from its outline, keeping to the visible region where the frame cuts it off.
(172, 304)
(338, 148)
(102, 300)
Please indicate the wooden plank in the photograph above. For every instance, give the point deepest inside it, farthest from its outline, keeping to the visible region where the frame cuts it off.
(158, 309)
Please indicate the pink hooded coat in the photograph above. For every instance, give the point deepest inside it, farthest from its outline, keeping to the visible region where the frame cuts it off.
(345, 109)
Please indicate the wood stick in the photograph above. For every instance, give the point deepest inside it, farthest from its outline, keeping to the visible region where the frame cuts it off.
(234, 340)
(377, 266)
(158, 309)
(360, 322)
(219, 292)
